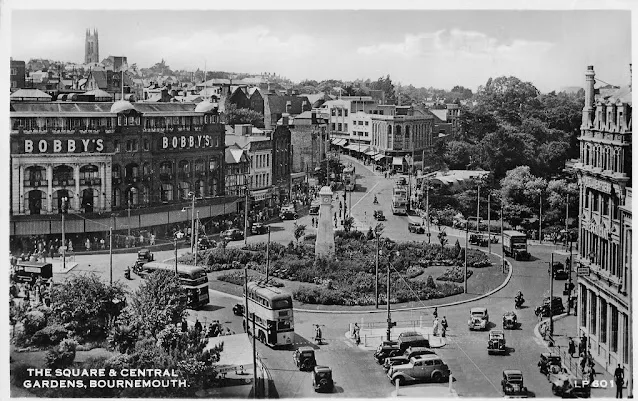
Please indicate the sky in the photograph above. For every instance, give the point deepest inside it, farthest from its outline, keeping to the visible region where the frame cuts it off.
(424, 48)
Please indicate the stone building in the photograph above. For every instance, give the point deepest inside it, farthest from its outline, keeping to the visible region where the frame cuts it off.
(91, 47)
(604, 251)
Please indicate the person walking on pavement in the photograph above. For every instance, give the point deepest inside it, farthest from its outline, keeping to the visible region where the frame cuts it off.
(436, 312)
(619, 380)
(572, 347)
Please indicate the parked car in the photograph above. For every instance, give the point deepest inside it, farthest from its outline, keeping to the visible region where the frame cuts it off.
(565, 385)
(416, 228)
(423, 367)
(378, 215)
(304, 358)
(144, 255)
(479, 318)
(512, 384)
(549, 362)
(510, 320)
(258, 228)
(205, 243)
(557, 307)
(232, 234)
(405, 358)
(288, 215)
(496, 342)
(322, 378)
(411, 339)
(385, 350)
(559, 271)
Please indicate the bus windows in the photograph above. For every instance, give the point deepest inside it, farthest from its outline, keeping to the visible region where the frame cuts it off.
(281, 304)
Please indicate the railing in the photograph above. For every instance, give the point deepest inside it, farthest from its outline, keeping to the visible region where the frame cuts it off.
(90, 181)
(571, 364)
(63, 182)
(35, 183)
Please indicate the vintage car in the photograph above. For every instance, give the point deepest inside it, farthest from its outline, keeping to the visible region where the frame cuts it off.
(304, 358)
(232, 234)
(565, 385)
(510, 320)
(238, 310)
(423, 367)
(496, 342)
(378, 215)
(479, 318)
(322, 378)
(512, 384)
(288, 215)
(405, 358)
(549, 362)
(144, 255)
(479, 239)
(386, 350)
(258, 228)
(556, 309)
(559, 271)
(205, 243)
(411, 339)
(416, 228)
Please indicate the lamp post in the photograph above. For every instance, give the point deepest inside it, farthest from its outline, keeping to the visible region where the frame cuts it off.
(128, 208)
(196, 233)
(467, 231)
(65, 209)
(551, 296)
(246, 215)
(389, 318)
(268, 255)
(540, 216)
(478, 207)
(489, 239)
(192, 195)
(376, 273)
(111, 255)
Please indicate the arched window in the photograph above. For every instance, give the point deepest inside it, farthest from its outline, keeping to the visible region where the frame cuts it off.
(213, 164)
(115, 171)
(132, 196)
(212, 187)
(616, 162)
(199, 188)
(607, 159)
(62, 175)
(131, 170)
(146, 169)
(89, 171)
(35, 173)
(587, 155)
(199, 166)
(36, 199)
(184, 189)
(183, 167)
(167, 192)
(117, 197)
(166, 167)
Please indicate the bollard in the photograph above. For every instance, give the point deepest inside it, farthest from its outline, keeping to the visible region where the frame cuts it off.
(397, 383)
(365, 340)
(450, 385)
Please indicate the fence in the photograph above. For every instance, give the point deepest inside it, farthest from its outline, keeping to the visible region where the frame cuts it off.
(265, 387)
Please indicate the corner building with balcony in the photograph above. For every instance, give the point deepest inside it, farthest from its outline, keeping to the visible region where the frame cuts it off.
(112, 158)
(605, 180)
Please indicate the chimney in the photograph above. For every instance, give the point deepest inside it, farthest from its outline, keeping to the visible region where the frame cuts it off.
(588, 110)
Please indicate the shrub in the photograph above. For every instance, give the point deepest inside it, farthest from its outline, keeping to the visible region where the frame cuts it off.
(414, 271)
(454, 274)
(237, 278)
(62, 356)
(50, 335)
(310, 237)
(430, 283)
(19, 373)
(33, 321)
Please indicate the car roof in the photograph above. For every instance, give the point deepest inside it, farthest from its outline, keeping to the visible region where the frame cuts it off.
(305, 349)
(426, 357)
(409, 333)
(322, 369)
(414, 349)
(497, 332)
(512, 372)
(478, 310)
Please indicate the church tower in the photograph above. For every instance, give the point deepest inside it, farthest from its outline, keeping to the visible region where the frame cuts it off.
(91, 47)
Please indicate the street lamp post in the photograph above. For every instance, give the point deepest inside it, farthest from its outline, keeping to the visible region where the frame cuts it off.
(376, 273)
(65, 207)
(111, 255)
(196, 234)
(192, 194)
(467, 231)
(246, 216)
(478, 207)
(388, 294)
(551, 296)
(489, 239)
(128, 208)
(268, 255)
(540, 217)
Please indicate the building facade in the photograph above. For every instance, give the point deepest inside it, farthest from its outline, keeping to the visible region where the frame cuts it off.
(91, 47)
(308, 140)
(237, 167)
(281, 163)
(107, 158)
(395, 137)
(259, 152)
(18, 74)
(604, 255)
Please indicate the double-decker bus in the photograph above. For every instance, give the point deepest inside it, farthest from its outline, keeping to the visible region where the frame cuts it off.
(349, 178)
(272, 308)
(400, 200)
(29, 272)
(193, 280)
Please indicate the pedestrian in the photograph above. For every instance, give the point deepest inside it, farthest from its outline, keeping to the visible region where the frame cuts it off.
(583, 362)
(198, 326)
(436, 312)
(592, 373)
(619, 379)
(313, 222)
(571, 347)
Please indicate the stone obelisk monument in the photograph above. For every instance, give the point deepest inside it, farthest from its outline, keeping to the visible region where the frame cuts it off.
(325, 242)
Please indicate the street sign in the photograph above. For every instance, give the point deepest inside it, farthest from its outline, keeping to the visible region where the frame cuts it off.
(583, 271)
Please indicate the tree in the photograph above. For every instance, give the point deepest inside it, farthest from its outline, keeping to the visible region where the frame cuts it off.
(457, 154)
(234, 115)
(299, 231)
(87, 305)
(348, 222)
(385, 84)
(475, 125)
(501, 151)
(159, 301)
(509, 97)
(442, 238)
(521, 192)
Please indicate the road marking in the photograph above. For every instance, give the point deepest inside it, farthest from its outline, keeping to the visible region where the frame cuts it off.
(477, 368)
(366, 194)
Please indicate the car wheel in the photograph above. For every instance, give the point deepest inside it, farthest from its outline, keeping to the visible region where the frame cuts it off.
(437, 377)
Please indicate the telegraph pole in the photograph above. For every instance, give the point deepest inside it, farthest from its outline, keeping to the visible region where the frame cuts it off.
(427, 208)
(268, 255)
(376, 273)
(246, 295)
(192, 221)
(128, 208)
(65, 207)
(551, 296)
(388, 300)
(540, 217)
(489, 239)
(502, 238)
(478, 207)
(176, 256)
(196, 234)
(111, 255)
(246, 219)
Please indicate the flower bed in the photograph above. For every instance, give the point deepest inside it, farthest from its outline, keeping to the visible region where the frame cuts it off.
(454, 274)
(238, 279)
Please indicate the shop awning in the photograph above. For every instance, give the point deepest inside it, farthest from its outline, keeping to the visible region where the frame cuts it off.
(371, 153)
(342, 142)
(397, 161)
(354, 147)
(237, 354)
(378, 157)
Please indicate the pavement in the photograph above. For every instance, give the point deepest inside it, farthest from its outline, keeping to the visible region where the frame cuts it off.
(565, 326)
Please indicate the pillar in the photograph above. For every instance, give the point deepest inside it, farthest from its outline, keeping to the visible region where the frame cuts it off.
(50, 188)
(76, 177)
(21, 199)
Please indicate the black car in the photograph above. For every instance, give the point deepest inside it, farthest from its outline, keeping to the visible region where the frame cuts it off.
(378, 215)
(322, 378)
(416, 228)
(288, 215)
(547, 360)
(479, 239)
(556, 307)
(232, 235)
(205, 243)
(386, 350)
(405, 358)
(258, 228)
(144, 255)
(559, 271)
(304, 358)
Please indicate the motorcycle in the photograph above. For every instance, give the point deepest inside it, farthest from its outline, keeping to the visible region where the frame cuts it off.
(518, 302)
(376, 202)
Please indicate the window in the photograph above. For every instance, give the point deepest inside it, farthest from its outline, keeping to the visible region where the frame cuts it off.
(346, 112)
(625, 343)
(595, 201)
(129, 146)
(116, 146)
(147, 144)
(614, 329)
(167, 192)
(367, 123)
(583, 305)
(14, 84)
(339, 112)
(345, 126)
(334, 127)
(603, 321)
(14, 71)
(135, 145)
(594, 312)
(333, 112)
(339, 126)
(605, 210)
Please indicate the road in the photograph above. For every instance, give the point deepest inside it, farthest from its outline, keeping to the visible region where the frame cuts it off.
(356, 374)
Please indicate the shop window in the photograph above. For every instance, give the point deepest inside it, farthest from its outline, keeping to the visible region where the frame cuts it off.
(603, 321)
(593, 313)
(583, 305)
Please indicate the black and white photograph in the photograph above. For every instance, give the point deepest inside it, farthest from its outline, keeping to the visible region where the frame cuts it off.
(285, 200)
